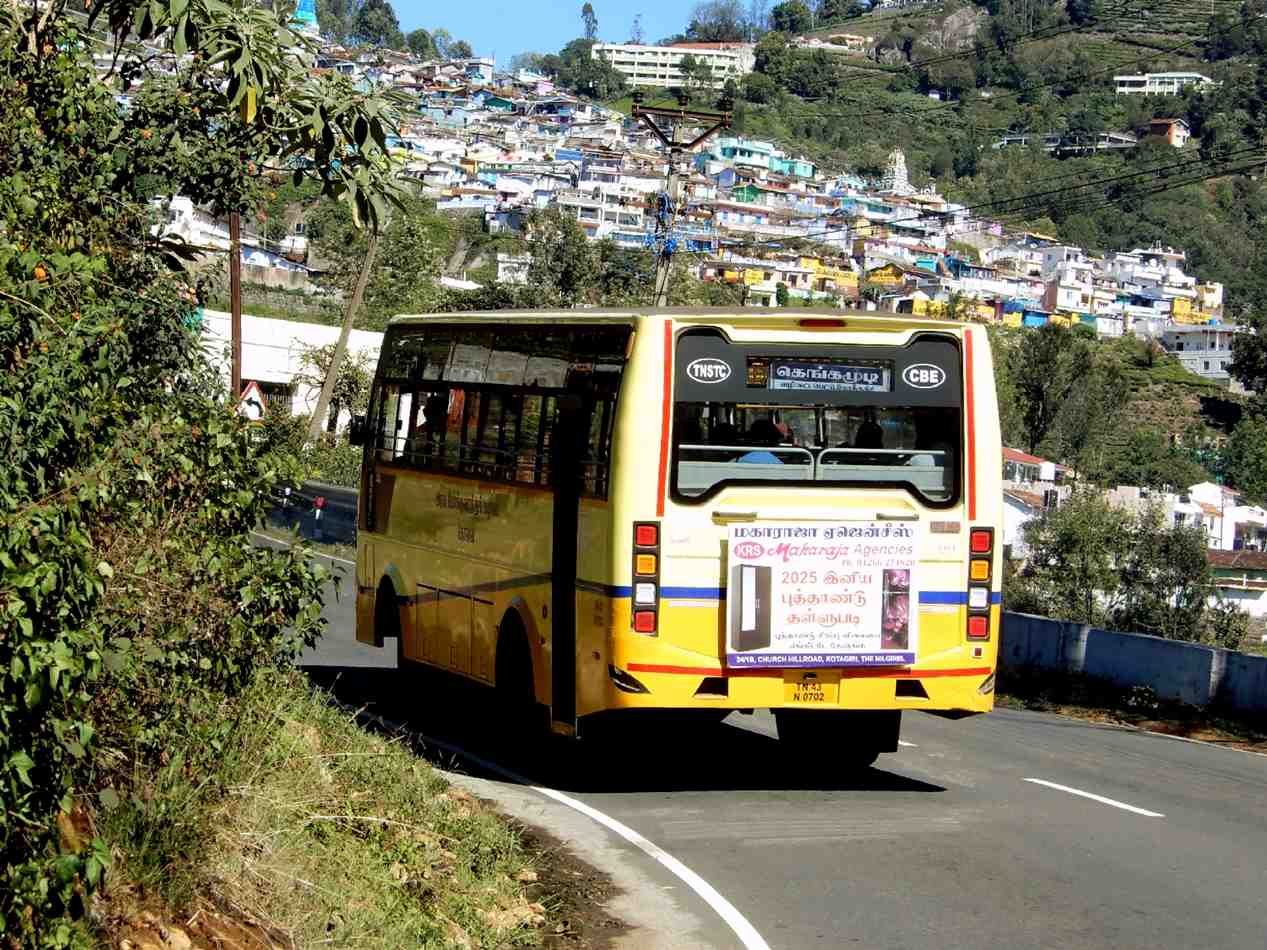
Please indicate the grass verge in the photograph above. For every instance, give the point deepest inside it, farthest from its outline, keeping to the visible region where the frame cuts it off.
(316, 831)
(1087, 697)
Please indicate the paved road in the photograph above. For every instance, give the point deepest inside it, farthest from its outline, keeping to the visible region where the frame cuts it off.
(944, 844)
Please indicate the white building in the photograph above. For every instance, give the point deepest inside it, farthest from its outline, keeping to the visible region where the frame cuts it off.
(272, 356)
(1159, 84)
(659, 65)
(1204, 350)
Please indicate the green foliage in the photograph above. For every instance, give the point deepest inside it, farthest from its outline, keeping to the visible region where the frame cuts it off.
(403, 279)
(419, 43)
(135, 608)
(1246, 458)
(577, 70)
(1093, 562)
(719, 21)
(375, 24)
(564, 266)
(791, 16)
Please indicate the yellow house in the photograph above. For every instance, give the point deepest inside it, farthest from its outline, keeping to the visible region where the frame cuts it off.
(888, 275)
(967, 310)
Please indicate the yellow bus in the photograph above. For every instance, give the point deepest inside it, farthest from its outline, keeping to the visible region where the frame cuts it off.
(691, 510)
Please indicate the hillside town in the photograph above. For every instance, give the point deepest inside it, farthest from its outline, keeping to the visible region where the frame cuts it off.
(502, 145)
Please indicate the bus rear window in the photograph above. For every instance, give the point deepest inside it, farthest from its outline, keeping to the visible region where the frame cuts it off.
(722, 443)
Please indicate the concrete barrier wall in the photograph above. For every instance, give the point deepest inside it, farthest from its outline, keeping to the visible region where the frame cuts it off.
(1188, 672)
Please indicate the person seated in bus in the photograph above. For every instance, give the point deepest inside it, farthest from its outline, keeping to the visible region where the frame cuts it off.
(724, 433)
(869, 435)
(762, 432)
(692, 431)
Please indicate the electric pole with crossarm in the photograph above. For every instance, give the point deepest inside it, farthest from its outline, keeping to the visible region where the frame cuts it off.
(668, 204)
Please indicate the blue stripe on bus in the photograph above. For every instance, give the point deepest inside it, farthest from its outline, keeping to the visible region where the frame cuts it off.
(953, 597)
(958, 597)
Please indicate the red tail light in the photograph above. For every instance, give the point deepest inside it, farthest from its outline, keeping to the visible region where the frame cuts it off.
(646, 576)
(979, 627)
(981, 541)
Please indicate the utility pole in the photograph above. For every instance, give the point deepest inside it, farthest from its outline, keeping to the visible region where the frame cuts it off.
(668, 207)
(235, 301)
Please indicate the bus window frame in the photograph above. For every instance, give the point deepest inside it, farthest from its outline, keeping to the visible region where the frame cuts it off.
(466, 464)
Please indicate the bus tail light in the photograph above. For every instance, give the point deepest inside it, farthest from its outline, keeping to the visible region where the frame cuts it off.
(646, 577)
(981, 554)
(647, 536)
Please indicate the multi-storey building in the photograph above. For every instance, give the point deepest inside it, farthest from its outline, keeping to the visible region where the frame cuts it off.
(1159, 84)
(660, 66)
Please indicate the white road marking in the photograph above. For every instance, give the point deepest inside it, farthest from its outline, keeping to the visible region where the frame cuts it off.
(1097, 798)
(328, 557)
(908, 745)
(736, 921)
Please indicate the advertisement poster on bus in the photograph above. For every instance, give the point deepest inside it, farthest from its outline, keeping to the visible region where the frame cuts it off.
(822, 594)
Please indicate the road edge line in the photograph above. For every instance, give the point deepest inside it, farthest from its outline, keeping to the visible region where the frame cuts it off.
(728, 912)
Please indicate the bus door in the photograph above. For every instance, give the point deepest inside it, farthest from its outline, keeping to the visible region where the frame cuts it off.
(571, 427)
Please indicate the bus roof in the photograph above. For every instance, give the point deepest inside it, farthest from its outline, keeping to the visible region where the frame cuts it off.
(790, 317)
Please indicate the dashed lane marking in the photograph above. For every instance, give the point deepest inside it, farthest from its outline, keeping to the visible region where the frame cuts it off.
(1097, 798)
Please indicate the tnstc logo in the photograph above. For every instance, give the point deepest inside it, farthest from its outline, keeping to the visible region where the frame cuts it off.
(708, 369)
(923, 376)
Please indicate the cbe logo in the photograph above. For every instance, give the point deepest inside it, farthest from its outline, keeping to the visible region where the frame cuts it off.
(749, 550)
(923, 376)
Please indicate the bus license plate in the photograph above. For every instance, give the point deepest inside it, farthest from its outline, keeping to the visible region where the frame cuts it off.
(811, 689)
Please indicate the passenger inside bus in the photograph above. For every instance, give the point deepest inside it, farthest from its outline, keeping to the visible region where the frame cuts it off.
(765, 433)
(870, 435)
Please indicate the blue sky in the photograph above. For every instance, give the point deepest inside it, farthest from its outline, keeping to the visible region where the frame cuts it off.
(497, 27)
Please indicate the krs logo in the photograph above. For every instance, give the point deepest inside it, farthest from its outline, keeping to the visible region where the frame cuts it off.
(749, 550)
(708, 369)
(923, 376)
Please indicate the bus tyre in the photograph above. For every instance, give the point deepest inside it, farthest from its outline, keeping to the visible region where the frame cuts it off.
(848, 739)
(516, 713)
(387, 620)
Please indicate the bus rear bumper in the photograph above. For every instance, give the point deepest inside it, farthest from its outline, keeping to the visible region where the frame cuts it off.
(946, 686)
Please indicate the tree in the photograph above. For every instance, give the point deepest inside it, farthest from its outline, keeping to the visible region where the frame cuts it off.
(590, 20)
(697, 76)
(375, 24)
(780, 294)
(829, 10)
(460, 49)
(442, 39)
(420, 44)
(1246, 458)
(579, 71)
(403, 278)
(1074, 554)
(791, 16)
(564, 266)
(1249, 361)
(335, 19)
(1049, 363)
(135, 607)
(757, 20)
(1082, 12)
(718, 21)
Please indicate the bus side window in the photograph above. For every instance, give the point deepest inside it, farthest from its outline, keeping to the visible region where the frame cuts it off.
(532, 441)
(595, 465)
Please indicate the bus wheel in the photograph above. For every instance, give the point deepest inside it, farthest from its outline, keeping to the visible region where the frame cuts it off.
(517, 715)
(846, 739)
(387, 620)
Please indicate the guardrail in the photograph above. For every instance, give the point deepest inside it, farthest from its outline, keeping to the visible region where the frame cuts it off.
(1188, 672)
(318, 512)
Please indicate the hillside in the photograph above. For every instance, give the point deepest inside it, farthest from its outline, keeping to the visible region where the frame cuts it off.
(947, 94)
